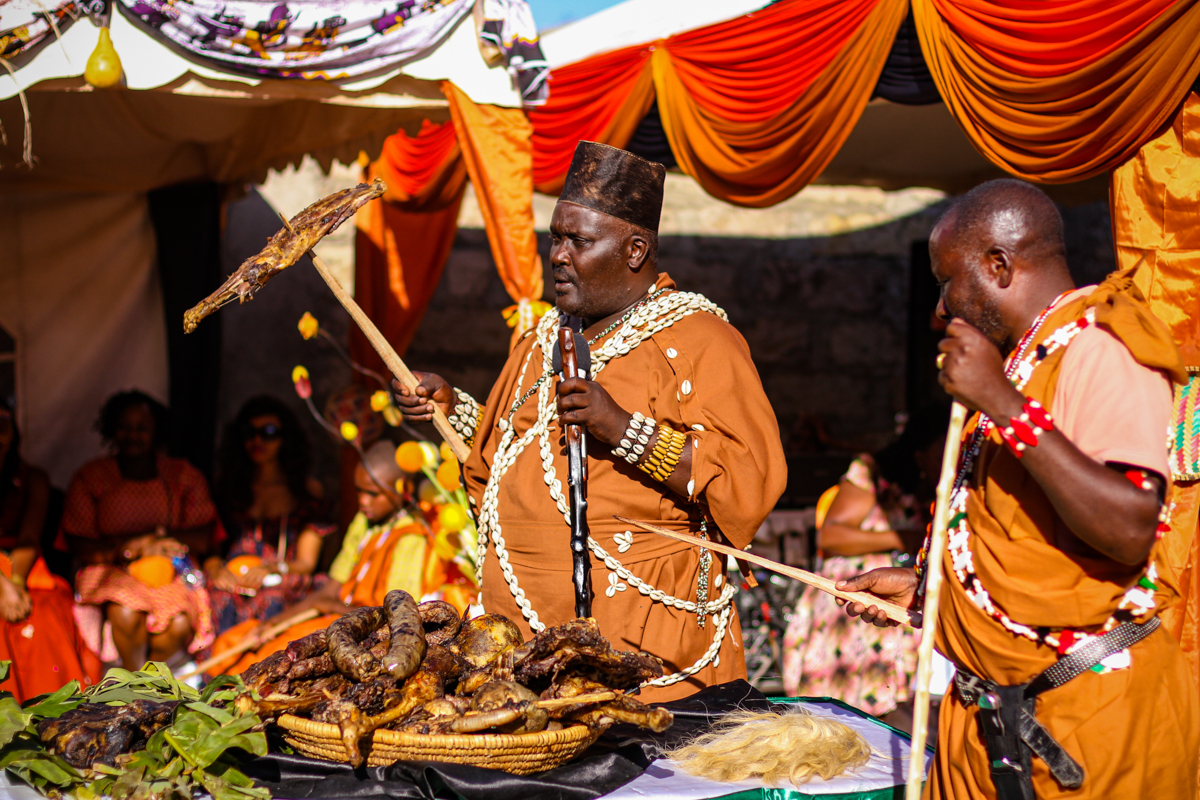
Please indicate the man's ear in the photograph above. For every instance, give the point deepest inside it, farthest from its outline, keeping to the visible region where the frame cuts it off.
(999, 265)
(639, 249)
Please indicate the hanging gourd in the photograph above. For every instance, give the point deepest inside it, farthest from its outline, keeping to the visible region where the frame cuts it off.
(103, 65)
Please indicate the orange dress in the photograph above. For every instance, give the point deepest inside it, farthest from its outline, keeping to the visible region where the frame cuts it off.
(694, 374)
(1135, 730)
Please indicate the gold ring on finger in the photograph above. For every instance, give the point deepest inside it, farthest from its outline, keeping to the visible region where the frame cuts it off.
(941, 360)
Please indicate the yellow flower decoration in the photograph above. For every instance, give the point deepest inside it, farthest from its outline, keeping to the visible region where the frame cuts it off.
(431, 453)
(391, 416)
(410, 456)
(446, 453)
(453, 517)
(300, 381)
(349, 431)
(447, 475)
(309, 326)
(379, 401)
(512, 314)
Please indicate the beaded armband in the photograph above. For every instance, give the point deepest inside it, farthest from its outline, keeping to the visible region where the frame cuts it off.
(1024, 430)
(633, 443)
(663, 458)
(465, 416)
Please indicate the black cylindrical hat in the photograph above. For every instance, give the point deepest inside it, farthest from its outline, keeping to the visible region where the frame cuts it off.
(617, 183)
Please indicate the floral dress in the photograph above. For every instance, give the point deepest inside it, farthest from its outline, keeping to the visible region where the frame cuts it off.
(260, 538)
(830, 654)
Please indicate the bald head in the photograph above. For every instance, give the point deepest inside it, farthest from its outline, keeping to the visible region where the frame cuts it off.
(999, 256)
(381, 464)
(1011, 214)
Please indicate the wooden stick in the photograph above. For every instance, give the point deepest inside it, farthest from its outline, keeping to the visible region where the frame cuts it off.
(249, 643)
(893, 611)
(933, 591)
(387, 353)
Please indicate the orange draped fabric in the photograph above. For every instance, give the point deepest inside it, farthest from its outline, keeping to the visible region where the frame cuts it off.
(496, 147)
(1155, 200)
(753, 108)
(403, 243)
(1060, 90)
(600, 99)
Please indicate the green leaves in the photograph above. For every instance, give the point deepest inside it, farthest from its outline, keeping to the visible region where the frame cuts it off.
(185, 759)
(55, 705)
(153, 681)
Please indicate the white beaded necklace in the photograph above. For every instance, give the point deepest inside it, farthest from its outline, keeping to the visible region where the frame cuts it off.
(658, 313)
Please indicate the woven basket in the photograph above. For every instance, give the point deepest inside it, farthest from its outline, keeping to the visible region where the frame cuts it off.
(517, 753)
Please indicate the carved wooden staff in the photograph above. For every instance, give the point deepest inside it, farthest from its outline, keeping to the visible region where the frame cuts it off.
(575, 359)
(933, 591)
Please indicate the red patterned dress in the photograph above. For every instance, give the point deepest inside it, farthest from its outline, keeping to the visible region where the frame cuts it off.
(101, 503)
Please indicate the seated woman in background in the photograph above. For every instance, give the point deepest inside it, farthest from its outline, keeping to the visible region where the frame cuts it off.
(37, 629)
(127, 517)
(272, 513)
(877, 519)
(372, 562)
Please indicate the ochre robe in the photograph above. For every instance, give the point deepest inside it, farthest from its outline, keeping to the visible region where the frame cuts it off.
(1134, 731)
(696, 376)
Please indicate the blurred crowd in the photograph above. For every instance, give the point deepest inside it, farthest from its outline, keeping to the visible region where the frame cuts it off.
(144, 560)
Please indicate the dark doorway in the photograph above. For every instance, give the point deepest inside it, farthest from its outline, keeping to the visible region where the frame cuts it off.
(187, 226)
(925, 330)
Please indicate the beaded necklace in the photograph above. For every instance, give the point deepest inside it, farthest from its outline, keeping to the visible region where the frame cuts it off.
(1138, 600)
(591, 342)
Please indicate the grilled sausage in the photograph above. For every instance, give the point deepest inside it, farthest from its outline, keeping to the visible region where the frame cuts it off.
(441, 621)
(407, 646)
(349, 656)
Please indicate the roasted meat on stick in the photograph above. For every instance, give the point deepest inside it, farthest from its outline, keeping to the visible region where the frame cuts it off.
(298, 236)
(285, 248)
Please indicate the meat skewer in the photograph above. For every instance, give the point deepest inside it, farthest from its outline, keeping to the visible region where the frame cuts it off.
(285, 248)
(299, 236)
(390, 357)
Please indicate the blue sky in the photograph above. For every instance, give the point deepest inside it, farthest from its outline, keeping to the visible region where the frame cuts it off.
(552, 13)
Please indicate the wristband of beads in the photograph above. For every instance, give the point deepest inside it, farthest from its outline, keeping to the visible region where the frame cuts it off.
(1023, 430)
(664, 457)
(465, 416)
(637, 436)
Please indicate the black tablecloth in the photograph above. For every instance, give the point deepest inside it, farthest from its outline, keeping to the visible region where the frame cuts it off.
(619, 756)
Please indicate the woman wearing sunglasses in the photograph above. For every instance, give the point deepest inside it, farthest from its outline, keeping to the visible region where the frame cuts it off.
(273, 512)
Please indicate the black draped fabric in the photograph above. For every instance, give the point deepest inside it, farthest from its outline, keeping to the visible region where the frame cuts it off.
(650, 140)
(618, 757)
(905, 78)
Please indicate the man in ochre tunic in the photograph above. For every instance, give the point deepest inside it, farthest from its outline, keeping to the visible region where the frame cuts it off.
(680, 434)
(1066, 685)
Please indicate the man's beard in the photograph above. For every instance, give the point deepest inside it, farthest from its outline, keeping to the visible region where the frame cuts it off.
(985, 319)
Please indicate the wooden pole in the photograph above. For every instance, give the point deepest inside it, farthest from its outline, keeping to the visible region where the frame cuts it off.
(933, 591)
(250, 642)
(389, 355)
(893, 611)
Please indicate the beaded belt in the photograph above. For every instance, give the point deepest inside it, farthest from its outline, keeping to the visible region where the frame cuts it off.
(1010, 730)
